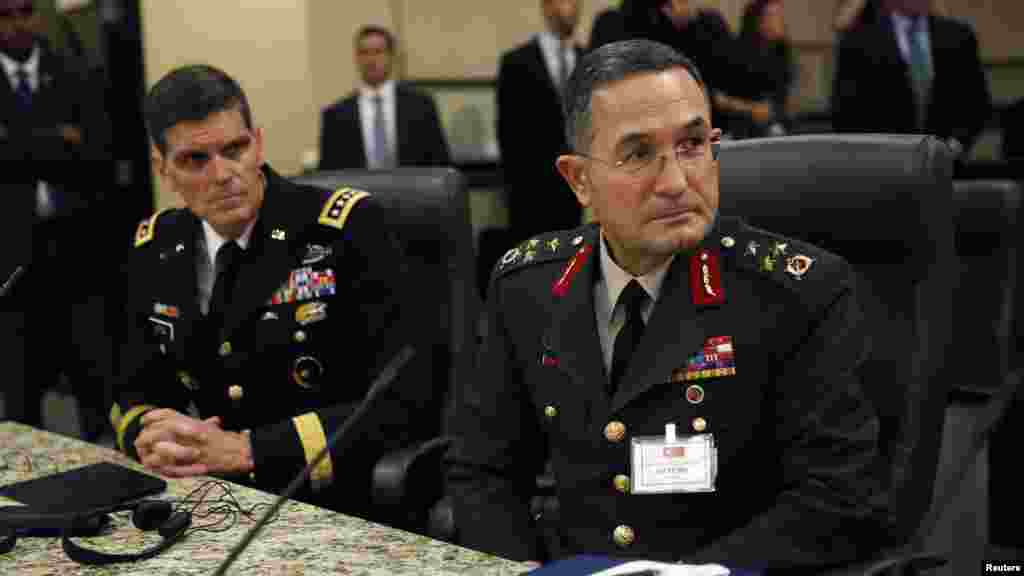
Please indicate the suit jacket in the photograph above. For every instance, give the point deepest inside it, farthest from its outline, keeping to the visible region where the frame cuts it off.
(873, 90)
(31, 148)
(796, 438)
(421, 140)
(317, 312)
(531, 135)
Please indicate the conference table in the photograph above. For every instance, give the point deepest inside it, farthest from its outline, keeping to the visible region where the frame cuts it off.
(303, 540)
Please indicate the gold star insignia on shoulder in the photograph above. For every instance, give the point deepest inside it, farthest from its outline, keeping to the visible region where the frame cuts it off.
(532, 243)
(278, 234)
(337, 208)
(553, 244)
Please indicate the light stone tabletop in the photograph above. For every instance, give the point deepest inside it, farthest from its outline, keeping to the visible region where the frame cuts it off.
(303, 540)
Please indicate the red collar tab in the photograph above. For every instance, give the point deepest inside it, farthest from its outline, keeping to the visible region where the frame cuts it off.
(561, 286)
(706, 278)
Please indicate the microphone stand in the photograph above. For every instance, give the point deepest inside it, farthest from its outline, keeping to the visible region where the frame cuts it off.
(382, 381)
(11, 280)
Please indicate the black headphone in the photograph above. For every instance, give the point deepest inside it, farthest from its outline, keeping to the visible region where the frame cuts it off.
(147, 515)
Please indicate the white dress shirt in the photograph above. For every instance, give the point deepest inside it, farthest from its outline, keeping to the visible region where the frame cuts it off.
(31, 66)
(206, 273)
(366, 117)
(610, 314)
(549, 46)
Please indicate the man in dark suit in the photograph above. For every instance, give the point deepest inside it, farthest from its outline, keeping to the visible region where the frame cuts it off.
(693, 380)
(51, 146)
(531, 124)
(270, 307)
(907, 71)
(383, 124)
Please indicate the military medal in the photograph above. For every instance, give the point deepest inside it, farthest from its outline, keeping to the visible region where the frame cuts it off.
(315, 253)
(561, 286)
(716, 359)
(706, 279)
(165, 310)
(798, 265)
(310, 313)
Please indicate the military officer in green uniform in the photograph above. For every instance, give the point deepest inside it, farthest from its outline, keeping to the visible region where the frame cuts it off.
(692, 380)
(266, 306)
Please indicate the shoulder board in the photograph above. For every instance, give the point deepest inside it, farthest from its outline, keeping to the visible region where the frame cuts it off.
(147, 228)
(544, 248)
(337, 208)
(792, 263)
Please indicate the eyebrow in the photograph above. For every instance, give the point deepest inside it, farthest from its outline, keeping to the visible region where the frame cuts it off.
(697, 123)
(241, 140)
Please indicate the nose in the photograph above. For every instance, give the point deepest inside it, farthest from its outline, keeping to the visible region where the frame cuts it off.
(671, 177)
(222, 169)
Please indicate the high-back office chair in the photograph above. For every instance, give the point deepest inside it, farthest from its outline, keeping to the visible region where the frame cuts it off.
(883, 202)
(988, 243)
(431, 208)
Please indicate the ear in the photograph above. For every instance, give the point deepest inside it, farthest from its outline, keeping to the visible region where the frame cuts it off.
(257, 136)
(157, 161)
(573, 170)
(716, 143)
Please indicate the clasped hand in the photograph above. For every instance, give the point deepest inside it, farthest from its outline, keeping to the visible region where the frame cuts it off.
(175, 445)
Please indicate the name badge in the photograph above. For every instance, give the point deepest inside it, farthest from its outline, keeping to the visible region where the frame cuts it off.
(671, 465)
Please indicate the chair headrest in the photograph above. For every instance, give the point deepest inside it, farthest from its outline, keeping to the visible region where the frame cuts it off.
(869, 198)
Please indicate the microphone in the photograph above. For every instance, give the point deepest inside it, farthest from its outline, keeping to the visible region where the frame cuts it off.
(11, 280)
(382, 381)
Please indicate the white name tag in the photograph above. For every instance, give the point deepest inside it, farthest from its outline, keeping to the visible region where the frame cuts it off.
(684, 464)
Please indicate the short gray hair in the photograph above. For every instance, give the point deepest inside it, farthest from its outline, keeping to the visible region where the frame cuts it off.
(611, 63)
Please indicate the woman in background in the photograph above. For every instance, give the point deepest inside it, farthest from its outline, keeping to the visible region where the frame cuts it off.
(767, 75)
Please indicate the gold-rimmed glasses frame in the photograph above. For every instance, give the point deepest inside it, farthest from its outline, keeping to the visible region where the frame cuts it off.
(656, 164)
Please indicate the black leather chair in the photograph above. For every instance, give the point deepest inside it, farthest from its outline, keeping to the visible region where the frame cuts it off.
(883, 202)
(431, 208)
(988, 242)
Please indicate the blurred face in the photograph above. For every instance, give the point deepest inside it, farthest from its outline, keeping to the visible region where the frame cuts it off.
(19, 22)
(678, 11)
(649, 176)
(214, 165)
(373, 58)
(911, 7)
(562, 16)
(773, 26)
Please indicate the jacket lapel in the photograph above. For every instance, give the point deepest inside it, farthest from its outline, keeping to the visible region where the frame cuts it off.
(677, 329)
(351, 119)
(401, 136)
(273, 250)
(571, 337)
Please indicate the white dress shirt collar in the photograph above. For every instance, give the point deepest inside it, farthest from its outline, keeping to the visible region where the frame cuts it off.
(902, 23)
(549, 47)
(31, 66)
(214, 240)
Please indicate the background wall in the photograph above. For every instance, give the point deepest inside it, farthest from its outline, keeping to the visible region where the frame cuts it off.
(294, 57)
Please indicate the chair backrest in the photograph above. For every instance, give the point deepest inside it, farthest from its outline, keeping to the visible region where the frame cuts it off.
(987, 242)
(432, 213)
(883, 202)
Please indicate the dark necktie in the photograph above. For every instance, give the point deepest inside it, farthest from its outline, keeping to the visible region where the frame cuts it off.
(22, 89)
(382, 151)
(919, 71)
(633, 298)
(227, 263)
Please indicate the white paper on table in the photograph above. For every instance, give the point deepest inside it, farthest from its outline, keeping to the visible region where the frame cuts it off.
(666, 569)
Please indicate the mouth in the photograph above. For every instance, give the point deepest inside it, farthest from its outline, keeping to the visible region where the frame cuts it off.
(674, 215)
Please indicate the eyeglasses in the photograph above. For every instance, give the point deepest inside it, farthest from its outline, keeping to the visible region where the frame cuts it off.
(641, 161)
(24, 11)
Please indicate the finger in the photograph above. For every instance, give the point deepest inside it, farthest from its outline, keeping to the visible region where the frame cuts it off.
(173, 471)
(159, 414)
(174, 453)
(214, 420)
